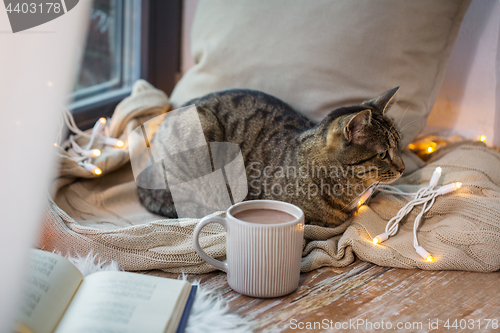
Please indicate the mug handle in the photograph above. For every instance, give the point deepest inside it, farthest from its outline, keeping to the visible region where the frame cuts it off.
(196, 242)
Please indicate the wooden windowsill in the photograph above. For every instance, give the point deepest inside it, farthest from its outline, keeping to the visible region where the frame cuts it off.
(364, 291)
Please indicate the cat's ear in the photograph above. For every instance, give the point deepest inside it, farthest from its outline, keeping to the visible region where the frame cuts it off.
(384, 101)
(354, 128)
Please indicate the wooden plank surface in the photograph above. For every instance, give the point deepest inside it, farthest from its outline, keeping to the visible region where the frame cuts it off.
(367, 298)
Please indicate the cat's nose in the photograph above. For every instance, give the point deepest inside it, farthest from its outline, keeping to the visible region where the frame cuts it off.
(401, 170)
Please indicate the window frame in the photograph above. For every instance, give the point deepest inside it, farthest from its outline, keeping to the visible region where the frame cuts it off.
(160, 59)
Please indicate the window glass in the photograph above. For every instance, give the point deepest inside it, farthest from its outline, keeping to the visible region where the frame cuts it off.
(102, 53)
(111, 59)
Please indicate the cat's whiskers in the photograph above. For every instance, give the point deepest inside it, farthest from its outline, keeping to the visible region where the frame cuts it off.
(410, 123)
(362, 180)
(356, 199)
(355, 202)
(400, 120)
(399, 123)
(380, 180)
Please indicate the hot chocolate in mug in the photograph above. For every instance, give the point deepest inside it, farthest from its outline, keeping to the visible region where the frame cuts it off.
(263, 247)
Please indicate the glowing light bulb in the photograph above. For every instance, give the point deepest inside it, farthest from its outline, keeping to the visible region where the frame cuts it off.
(424, 254)
(91, 153)
(366, 195)
(435, 176)
(380, 238)
(448, 188)
(113, 142)
(99, 126)
(55, 144)
(482, 138)
(430, 149)
(92, 168)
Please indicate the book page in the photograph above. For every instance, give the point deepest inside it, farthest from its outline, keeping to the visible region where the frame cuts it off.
(50, 284)
(113, 302)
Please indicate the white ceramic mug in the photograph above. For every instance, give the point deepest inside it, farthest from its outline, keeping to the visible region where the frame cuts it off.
(263, 260)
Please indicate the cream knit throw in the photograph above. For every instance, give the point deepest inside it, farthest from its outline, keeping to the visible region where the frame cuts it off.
(103, 214)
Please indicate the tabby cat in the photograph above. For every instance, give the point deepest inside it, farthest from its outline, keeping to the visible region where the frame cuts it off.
(322, 168)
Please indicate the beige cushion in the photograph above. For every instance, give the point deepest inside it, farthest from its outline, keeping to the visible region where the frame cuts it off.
(319, 55)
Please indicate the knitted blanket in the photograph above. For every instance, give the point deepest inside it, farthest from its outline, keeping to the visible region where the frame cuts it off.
(102, 213)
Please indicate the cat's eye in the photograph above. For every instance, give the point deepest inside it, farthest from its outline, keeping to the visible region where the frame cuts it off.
(382, 154)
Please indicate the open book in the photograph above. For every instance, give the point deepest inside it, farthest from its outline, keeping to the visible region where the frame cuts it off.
(58, 299)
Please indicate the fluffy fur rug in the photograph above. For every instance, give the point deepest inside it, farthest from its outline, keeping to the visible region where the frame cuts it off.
(209, 312)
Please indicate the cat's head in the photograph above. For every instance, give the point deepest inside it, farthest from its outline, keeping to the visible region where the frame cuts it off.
(362, 138)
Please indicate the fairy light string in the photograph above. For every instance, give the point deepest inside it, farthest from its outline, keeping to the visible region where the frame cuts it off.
(99, 133)
(424, 197)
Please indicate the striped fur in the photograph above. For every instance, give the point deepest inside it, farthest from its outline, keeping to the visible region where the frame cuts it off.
(287, 156)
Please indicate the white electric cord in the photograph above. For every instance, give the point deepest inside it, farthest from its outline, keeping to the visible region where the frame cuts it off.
(426, 197)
